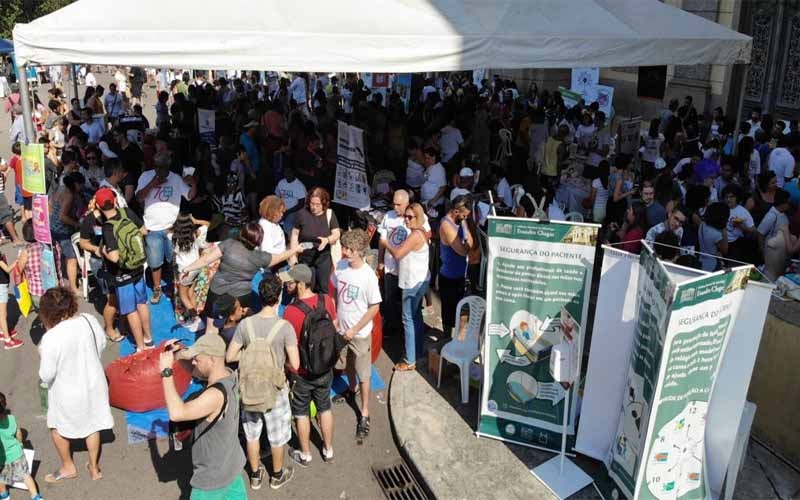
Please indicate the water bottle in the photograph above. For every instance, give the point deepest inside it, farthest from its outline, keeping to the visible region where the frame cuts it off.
(43, 394)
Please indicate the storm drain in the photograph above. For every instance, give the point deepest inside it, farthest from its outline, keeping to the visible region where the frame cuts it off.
(398, 483)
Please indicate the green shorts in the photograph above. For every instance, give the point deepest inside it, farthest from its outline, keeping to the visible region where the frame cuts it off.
(234, 491)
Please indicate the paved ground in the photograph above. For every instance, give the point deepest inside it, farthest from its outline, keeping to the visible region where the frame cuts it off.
(435, 432)
(150, 471)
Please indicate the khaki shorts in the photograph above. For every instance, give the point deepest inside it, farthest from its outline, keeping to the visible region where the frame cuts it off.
(358, 352)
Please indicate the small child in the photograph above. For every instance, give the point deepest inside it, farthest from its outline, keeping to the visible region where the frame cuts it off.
(233, 203)
(7, 337)
(13, 465)
(188, 242)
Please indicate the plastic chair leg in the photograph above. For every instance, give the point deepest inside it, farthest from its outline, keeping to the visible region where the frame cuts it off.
(464, 382)
(439, 373)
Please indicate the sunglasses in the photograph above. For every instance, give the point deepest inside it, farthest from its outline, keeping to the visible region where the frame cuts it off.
(410, 217)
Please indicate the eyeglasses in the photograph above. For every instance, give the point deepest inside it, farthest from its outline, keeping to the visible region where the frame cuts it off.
(410, 217)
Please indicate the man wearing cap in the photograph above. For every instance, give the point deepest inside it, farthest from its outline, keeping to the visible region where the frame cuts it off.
(161, 191)
(91, 241)
(304, 388)
(465, 183)
(217, 458)
(128, 284)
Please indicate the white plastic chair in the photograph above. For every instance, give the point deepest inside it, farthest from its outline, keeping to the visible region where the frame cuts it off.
(463, 352)
(83, 263)
(574, 217)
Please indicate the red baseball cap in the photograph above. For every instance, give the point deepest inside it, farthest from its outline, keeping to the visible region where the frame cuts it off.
(105, 198)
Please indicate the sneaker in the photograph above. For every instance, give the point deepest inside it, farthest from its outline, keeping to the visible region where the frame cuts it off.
(257, 478)
(156, 298)
(193, 325)
(327, 455)
(12, 344)
(362, 430)
(299, 459)
(277, 481)
(12, 333)
(347, 395)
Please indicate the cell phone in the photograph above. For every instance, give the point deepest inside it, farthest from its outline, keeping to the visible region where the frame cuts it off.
(307, 245)
(174, 347)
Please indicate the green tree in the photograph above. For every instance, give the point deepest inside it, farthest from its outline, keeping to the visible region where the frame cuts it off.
(23, 11)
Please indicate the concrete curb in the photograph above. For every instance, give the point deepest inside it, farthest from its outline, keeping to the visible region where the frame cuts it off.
(442, 448)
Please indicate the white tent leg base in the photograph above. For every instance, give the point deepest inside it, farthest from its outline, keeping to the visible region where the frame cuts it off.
(562, 483)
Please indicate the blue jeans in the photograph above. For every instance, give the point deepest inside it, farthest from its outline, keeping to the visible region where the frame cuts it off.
(412, 321)
(158, 248)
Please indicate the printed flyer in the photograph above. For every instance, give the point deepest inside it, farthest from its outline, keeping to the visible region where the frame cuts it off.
(700, 325)
(539, 277)
(33, 168)
(41, 219)
(351, 187)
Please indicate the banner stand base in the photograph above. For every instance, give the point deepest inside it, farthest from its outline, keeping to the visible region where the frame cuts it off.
(562, 483)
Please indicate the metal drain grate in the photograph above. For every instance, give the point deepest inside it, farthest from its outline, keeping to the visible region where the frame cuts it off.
(398, 483)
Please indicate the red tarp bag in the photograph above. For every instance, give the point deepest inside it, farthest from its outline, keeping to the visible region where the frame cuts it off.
(134, 382)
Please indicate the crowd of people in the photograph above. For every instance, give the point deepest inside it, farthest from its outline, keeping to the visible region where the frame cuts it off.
(199, 216)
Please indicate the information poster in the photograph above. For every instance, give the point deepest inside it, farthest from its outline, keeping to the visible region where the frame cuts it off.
(351, 187)
(654, 293)
(584, 80)
(700, 324)
(539, 278)
(206, 125)
(41, 219)
(629, 133)
(33, 168)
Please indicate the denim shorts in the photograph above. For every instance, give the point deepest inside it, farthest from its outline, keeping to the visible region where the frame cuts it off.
(158, 248)
(131, 295)
(67, 250)
(3, 293)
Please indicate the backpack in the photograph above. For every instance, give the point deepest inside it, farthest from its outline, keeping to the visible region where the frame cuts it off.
(130, 242)
(261, 378)
(320, 343)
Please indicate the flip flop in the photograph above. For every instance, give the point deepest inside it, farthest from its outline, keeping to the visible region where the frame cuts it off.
(99, 472)
(56, 476)
(149, 342)
(116, 339)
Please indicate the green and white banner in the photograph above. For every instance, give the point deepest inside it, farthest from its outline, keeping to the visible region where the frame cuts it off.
(700, 324)
(654, 293)
(539, 278)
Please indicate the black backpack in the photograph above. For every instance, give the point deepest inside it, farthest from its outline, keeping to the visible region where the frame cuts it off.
(320, 343)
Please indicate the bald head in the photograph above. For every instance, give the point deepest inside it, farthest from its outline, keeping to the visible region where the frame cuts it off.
(400, 201)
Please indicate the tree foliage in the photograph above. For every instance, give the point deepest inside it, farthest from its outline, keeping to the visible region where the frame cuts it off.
(24, 11)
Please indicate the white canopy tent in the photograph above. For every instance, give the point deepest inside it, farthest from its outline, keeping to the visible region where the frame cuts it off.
(382, 36)
(385, 36)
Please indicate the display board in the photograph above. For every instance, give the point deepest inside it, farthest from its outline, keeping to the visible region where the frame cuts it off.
(539, 277)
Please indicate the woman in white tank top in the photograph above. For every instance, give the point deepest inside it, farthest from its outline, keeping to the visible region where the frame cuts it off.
(409, 245)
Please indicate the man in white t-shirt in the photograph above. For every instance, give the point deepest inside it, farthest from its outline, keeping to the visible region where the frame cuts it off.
(435, 185)
(293, 193)
(450, 140)
(297, 90)
(393, 230)
(782, 162)
(113, 103)
(775, 218)
(161, 191)
(358, 299)
(115, 173)
(89, 79)
(93, 127)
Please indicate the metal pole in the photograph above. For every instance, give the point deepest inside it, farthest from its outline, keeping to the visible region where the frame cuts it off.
(740, 107)
(25, 100)
(74, 81)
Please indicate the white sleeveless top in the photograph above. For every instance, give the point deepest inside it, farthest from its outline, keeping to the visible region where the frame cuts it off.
(413, 268)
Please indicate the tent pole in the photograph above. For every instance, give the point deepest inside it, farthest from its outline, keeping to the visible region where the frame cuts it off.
(740, 107)
(74, 81)
(25, 100)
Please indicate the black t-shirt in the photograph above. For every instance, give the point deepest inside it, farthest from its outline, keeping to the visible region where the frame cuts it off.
(92, 229)
(120, 276)
(312, 227)
(133, 122)
(4, 278)
(132, 159)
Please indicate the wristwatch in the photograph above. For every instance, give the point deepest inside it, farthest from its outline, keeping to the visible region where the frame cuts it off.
(166, 372)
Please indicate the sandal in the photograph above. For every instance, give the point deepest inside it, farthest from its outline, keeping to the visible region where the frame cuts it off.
(405, 367)
(149, 342)
(117, 339)
(56, 476)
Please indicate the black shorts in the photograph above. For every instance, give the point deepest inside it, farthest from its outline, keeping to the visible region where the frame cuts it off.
(6, 215)
(305, 390)
(27, 203)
